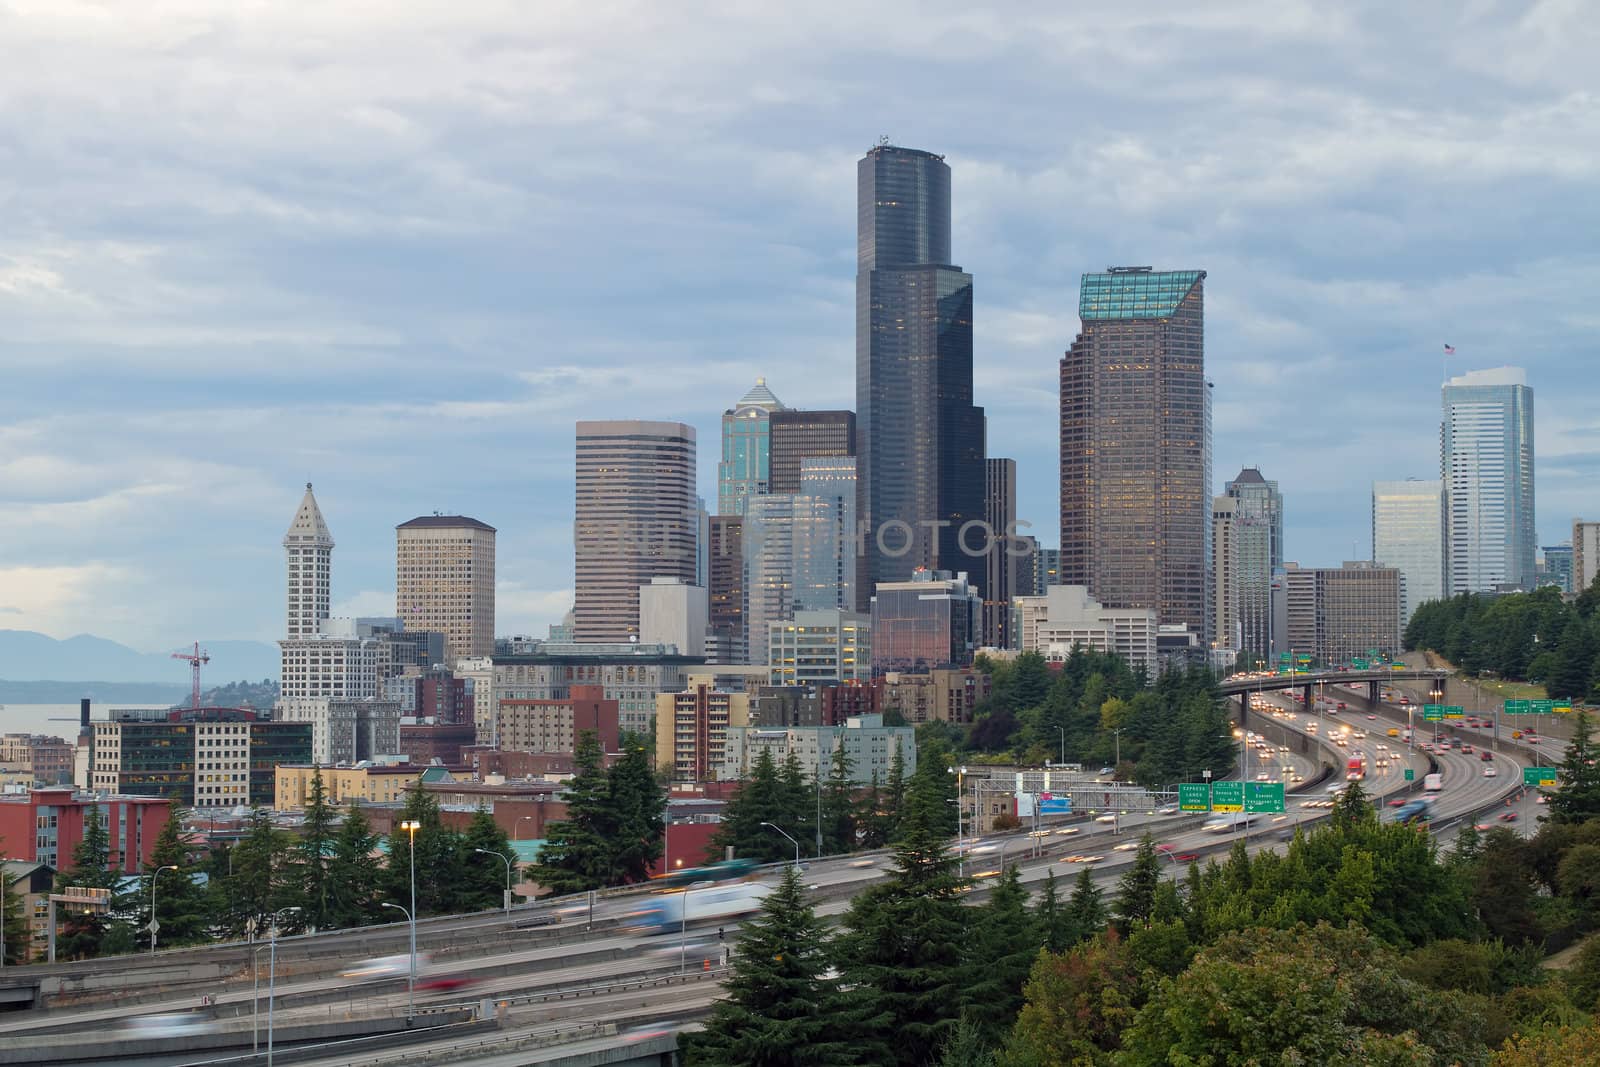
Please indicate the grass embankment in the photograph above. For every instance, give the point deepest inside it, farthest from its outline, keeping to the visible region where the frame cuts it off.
(1504, 690)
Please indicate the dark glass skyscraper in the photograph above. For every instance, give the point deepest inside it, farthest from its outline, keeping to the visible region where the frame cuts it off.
(919, 438)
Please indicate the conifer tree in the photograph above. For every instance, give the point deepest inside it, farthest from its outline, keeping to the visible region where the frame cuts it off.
(1578, 798)
(355, 873)
(86, 935)
(780, 1007)
(894, 799)
(838, 805)
(432, 848)
(577, 855)
(313, 856)
(481, 883)
(18, 936)
(871, 816)
(1002, 946)
(1086, 909)
(800, 802)
(258, 881)
(181, 905)
(1050, 917)
(901, 954)
(1136, 892)
(762, 798)
(638, 805)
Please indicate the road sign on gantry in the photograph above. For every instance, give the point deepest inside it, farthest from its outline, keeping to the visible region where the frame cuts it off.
(1227, 796)
(1454, 711)
(1432, 712)
(1264, 797)
(1518, 707)
(1538, 776)
(1194, 797)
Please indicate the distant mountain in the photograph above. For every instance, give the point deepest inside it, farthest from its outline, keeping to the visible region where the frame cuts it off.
(100, 692)
(26, 656)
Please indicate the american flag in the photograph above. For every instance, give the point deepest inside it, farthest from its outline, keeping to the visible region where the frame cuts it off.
(1449, 350)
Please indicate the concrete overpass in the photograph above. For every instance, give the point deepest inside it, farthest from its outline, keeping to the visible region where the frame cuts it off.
(1242, 686)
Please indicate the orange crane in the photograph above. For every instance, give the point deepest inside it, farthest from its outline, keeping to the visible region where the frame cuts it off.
(195, 658)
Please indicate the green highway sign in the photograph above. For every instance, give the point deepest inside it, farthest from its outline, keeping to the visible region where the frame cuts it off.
(1538, 776)
(1453, 711)
(1432, 712)
(1194, 797)
(1359, 664)
(1519, 707)
(1227, 796)
(1264, 797)
(1410, 774)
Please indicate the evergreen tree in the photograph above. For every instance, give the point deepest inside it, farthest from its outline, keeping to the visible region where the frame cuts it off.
(181, 905)
(933, 789)
(838, 805)
(354, 873)
(1578, 798)
(431, 854)
(1086, 909)
(638, 806)
(257, 883)
(761, 799)
(577, 854)
(1136, 892)
(84, 935)
(779, 1007)
(1002, 945)
(894, 797)
(800, 802)
(481, 883)
(313, 856)
(18, 936)
(871, 816)
(966, 1048)
(1050, 917)
(901, 954)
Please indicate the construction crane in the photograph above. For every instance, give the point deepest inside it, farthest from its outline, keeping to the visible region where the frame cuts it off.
(195, 658)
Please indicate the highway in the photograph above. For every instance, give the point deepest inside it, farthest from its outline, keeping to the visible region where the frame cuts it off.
(566, 980)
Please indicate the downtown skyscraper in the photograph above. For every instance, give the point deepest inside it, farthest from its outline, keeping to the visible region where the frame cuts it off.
(1135, 498)
(1408, 534)
(920, 440)
(1486, 463)
(744, 470)
(1258, 536)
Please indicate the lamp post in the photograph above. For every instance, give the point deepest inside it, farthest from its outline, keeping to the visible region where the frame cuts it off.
(411, 826)
(1117, 733)
(411, 982)
(1062, 730)
(530, 818)
(154, 926)
(507, 861)
(272, 974)
(683, 919)
(792, 841)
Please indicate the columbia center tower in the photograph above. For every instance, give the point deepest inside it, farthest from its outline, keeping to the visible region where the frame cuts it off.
(920, 440)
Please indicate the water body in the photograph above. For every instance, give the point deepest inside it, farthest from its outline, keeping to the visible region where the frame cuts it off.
(43, 718)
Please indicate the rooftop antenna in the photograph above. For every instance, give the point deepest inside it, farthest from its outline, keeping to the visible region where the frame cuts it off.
(883, 140)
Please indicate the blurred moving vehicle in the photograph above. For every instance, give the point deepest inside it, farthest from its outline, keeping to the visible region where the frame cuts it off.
(387, 967)
(669, 911)
(170, 1024)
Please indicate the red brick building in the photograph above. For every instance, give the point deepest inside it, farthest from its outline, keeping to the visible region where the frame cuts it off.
(553, 726)
(46, 825)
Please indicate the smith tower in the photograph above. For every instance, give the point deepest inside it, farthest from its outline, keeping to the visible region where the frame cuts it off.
(1135, 503)
(308, 547)
(920, 440)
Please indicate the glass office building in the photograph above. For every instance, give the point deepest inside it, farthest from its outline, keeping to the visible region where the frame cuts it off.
(1135, 500)
(919, 437)
(1408, 535)
(745, 467)
(1486, 464)
(929, 622)
(1258, 546)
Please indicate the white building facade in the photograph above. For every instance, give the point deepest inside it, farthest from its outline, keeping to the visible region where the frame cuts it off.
(1067, 617)
(1486, 462)
(1408, 535)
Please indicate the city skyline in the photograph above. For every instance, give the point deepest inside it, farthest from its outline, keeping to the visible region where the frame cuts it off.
(183, 358)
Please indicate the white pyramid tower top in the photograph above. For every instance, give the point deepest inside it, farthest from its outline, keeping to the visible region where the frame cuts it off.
(308, 526)
(760, 396)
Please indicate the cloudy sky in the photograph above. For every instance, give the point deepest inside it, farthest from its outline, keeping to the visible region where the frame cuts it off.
(398, 248)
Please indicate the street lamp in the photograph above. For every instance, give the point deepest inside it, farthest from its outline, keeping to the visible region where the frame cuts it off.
(411, 983)
(1118, 734)
(792, 841)
(530, 818)
(272, 975)
(411, 826)
(154, 926)
(683, 919)
(507, 861)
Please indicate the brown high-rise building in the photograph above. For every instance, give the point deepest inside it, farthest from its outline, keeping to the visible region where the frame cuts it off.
(1135, 450)
(444, 581)
(796, 435)
(637, 518)
(1001, 567)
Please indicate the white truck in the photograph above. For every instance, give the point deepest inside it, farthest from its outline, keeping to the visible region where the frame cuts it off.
(1432, 783)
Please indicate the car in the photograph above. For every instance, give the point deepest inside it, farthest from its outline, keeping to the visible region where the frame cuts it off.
(1542, 798)
(863, 863)
(1372, 718)
(1398, 803)
(170, 1024)
(445, 983)
(1107, 770)
(1490, 772)
(1466, 750)
(1186, 857)
(1112, 817)
(1126, 846)
(1482, 826)
(1169, 810)
(1264, 777)
(1507, 816)
(1067, 831)
(1166, 848)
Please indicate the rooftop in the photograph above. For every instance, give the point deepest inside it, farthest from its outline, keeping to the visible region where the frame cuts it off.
(1122, 293)
(437, 521)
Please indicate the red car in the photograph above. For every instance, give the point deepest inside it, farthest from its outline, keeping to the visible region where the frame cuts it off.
(1187, 857)
(446, 983)
(1507, 816)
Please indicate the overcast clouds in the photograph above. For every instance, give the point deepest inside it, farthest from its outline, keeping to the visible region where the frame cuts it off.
(398, 248)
